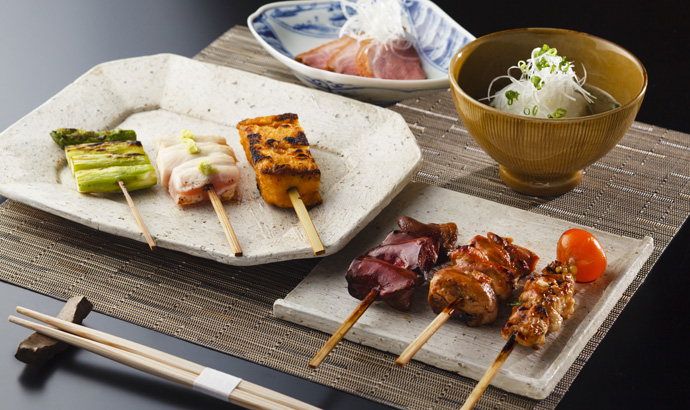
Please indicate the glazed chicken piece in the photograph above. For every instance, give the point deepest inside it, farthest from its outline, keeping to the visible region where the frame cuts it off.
(483, 272)
(503, 252)
(278, 149)
(399, 265)
(469, 258)
(547, 299)
(470, 290)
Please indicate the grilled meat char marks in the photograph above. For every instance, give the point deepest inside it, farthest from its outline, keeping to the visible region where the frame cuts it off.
(398, 266)
(471, 290)
(547, 299)
(278, 149)
(484, 271)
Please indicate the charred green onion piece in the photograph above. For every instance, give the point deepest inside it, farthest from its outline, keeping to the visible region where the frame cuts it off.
(106, 154)
(73, 136)
(106, 179)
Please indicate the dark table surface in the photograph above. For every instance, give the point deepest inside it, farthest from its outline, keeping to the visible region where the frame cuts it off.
(44, 45)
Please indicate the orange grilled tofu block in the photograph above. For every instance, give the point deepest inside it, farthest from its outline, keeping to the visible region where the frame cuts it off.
(278, 149)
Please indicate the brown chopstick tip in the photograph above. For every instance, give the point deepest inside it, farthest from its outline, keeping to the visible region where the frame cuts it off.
(36, 349)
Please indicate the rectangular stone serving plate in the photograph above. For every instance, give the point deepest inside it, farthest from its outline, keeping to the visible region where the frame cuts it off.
(321, 300)
(366, 155)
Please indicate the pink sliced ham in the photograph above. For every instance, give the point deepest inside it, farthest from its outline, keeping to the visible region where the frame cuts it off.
(345, 55)
(319, 57)
(396, 61)
(343, 61)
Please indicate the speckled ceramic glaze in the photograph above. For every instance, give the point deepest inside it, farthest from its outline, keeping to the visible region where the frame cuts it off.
(321, 301)
(545, 156)
(352, 143)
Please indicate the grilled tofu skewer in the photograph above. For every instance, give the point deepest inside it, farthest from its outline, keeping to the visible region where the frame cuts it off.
(546, 300)
(484, 272)
(286, 173)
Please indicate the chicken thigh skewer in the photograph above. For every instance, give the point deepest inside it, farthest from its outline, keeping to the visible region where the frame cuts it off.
(484, 271)
(547, 299)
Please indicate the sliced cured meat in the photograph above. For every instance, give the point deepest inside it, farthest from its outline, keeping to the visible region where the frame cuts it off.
(395, 61)
(321, 55)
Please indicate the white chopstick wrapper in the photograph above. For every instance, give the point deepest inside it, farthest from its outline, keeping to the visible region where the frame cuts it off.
(216, 383)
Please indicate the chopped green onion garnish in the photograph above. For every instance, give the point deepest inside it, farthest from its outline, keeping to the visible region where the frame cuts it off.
(512, 95)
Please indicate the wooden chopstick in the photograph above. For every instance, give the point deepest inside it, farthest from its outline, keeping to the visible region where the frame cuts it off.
(152, 361)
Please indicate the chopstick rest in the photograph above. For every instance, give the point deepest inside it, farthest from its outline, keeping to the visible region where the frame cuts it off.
(216, 383)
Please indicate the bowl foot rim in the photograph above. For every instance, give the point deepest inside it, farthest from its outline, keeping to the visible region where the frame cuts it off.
(536, 186)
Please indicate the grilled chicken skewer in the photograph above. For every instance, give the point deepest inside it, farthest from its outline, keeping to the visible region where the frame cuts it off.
(392, 271)
(197, 168)
(547, 299)
(286, 173)
(484, 271)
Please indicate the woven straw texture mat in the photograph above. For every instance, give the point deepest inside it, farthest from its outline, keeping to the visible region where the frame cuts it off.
(641, 188)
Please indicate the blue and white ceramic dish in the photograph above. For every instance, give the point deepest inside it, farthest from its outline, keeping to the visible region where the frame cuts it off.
(288, 28)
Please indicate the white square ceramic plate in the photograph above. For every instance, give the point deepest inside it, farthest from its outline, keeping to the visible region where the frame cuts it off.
(322, 302)
(366, 155)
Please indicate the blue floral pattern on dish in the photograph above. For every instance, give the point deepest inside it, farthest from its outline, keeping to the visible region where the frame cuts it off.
(437, 38)
(286, 29)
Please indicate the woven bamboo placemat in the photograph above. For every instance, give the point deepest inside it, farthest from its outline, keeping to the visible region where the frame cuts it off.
(641, 188)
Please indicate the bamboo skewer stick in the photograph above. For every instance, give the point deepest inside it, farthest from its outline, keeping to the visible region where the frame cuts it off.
(489, 375)
(344, 328)
(154, 362)
(424, 337)
(224, 221)
(137, 216)
(307, 223)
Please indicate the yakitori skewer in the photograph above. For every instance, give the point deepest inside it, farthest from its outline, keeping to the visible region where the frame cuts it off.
(224, 221)
(489, 375)
(483, 272)
(197, 168)
(137, 216)
(345, 327)
(286, 173)
(307, 223)
(108, 162)
(424, 337)
(392, 271)
(546, 300)
(155, 362)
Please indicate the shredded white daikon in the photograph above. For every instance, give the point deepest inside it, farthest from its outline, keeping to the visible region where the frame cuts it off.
(384, 21)
(547, 88)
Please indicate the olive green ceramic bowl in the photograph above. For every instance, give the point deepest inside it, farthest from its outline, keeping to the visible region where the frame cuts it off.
(545, 156)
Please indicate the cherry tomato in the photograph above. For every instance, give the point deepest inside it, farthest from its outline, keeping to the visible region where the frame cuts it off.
(580, 248)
